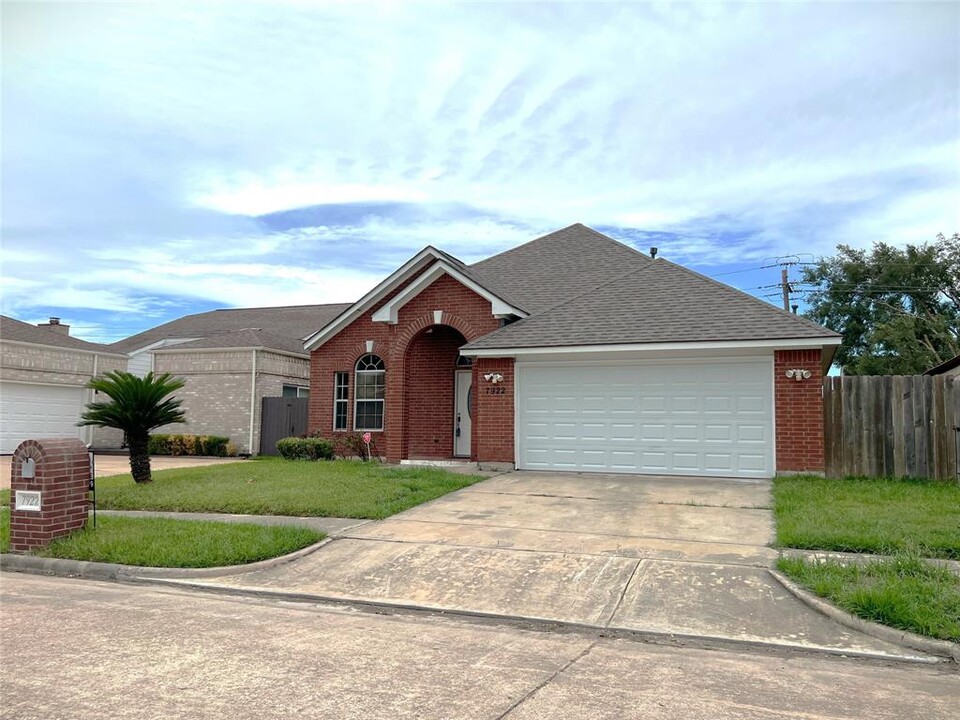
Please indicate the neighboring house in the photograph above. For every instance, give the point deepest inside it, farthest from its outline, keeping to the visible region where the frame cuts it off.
(573, 352)
(43, 377)
(948, 367)
(230, 360)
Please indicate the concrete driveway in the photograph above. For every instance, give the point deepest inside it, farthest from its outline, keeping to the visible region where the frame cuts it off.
(677, 556)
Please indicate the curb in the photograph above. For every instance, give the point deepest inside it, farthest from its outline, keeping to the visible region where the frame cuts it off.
(112, 571)
(940, 648)
(532, 622)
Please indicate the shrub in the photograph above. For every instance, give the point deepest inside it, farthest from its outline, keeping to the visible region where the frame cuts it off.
(351, 445)
(298, 448)
(213, 445)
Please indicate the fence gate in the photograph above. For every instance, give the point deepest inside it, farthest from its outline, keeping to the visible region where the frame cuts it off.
(281, 417)
(894, 426)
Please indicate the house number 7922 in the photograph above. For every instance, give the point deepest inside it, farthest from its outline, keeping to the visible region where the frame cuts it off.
(496, 390)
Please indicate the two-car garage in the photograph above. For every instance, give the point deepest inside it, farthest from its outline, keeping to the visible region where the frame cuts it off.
(670, 416)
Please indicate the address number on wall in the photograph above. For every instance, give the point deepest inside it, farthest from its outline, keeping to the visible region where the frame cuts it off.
(28, 500)
(496, 390)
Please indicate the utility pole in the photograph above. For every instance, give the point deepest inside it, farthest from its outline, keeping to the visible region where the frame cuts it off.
(785, 287)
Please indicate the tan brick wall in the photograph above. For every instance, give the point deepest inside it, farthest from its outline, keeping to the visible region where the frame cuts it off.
(216, 397)
(53, 366)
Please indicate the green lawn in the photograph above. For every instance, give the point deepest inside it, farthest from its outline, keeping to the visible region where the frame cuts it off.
(273, 486)
(868, 516)
(904, 592)
(161, 542)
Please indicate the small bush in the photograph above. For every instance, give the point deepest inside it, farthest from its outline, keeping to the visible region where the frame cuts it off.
(209, 445)
(350, 445)
(298, 448)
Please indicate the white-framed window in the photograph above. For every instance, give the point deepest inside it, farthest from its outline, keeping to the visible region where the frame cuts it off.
(297, 391)
(341, 399)
(369, 391)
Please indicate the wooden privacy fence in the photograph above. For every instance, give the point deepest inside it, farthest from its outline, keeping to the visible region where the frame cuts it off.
(281, 417)
(892, 425)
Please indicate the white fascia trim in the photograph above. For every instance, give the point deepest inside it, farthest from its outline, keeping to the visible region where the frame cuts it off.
(794, 344)
(390, 312)
(312, 342)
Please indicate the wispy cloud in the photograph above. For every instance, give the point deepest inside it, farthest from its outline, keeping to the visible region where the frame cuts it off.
(150, 150)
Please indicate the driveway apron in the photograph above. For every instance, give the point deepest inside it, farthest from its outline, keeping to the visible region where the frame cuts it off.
(666, 555)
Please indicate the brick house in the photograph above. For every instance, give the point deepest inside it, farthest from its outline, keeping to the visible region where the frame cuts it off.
(230, 360)
(573, 352)
(43, 376)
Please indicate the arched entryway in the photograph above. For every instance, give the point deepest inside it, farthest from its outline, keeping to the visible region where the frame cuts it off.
(437, 388)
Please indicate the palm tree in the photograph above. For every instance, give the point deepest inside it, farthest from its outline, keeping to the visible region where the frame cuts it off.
(137, 405)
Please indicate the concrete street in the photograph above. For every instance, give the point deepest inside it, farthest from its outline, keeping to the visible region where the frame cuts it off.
(81, 649)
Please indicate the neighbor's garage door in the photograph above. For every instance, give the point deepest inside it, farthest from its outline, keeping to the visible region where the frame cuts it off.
(673, 417)
(38, 411)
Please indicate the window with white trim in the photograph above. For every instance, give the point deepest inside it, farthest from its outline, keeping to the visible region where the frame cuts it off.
(341, 399)
(295, 391)
(370, 390)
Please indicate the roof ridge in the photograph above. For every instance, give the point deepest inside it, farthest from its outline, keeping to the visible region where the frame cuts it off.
(756, 300)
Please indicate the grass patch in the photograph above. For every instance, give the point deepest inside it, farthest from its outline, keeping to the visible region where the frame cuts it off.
(904, 592)
(5, 497)
(274, 486)
(4, 529)
(162, 542)
(868, 515)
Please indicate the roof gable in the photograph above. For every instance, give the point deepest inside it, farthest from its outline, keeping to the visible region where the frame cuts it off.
(660, 303)
(410, 269)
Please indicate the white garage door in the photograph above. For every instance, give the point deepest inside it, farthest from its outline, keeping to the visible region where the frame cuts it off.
(38, 411)
(672, 417)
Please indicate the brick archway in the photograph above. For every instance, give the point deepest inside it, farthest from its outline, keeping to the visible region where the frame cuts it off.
(429, 362)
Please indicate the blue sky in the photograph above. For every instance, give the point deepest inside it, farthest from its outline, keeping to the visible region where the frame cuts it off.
(168, 158)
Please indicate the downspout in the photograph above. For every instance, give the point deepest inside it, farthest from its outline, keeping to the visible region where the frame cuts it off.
(253, 399)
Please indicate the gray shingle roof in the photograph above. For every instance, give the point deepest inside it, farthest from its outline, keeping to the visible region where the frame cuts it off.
(659, 302)
(291, 323)
(246, 338)
(556, 267)
(19, 331)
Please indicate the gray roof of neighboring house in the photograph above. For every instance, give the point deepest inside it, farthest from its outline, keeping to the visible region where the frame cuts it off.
(246, 338)
(291, 323)
(655, 303)
(945, 366)
(19, 331)
(556, 267)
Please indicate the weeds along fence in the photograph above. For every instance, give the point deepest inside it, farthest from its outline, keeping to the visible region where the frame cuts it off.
(892, 426)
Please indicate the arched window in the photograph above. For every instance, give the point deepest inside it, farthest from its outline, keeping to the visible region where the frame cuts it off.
(369, 394)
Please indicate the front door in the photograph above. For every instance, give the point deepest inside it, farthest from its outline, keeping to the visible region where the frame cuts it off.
(462, 418)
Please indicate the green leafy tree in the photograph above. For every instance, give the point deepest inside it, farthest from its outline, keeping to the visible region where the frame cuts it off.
(898, 309)
(136, 405)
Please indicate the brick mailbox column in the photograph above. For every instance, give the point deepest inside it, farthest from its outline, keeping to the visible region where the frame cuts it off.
(49, 480)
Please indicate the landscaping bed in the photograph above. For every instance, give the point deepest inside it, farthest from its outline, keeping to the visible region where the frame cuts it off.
(274, 486)
(162, 542)
(908, 520)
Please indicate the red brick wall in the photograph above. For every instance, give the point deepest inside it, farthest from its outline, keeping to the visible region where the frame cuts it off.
(463, 310)
(799, 411)
(493, 420)
(430, 366)
(62, 476)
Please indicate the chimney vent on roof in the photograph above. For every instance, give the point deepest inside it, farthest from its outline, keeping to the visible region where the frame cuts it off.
(653, 253)
(55, 325)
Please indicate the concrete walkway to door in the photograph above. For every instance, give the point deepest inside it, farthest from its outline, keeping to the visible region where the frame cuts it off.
(671, 556)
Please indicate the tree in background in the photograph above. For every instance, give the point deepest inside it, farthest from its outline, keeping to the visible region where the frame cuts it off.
(898, 310)
(136, 405)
